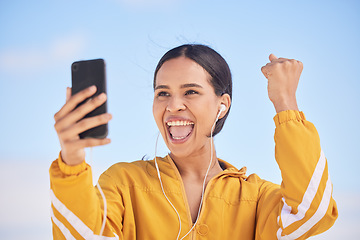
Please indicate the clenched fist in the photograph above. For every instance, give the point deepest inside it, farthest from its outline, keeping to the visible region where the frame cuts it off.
(283, 77)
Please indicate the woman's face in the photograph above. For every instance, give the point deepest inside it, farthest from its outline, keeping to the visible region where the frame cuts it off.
(185, 106)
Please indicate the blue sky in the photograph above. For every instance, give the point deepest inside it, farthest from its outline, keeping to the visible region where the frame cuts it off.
(39, 41)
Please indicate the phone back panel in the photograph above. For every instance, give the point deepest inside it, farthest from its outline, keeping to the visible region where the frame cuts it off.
(85, 74)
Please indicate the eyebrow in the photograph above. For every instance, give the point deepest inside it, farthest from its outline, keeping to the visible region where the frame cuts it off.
(187, 85)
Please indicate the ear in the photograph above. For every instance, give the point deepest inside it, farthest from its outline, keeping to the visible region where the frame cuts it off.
(226, 100)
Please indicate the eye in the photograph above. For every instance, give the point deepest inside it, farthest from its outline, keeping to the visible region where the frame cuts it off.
(191, 92)
(163, 94)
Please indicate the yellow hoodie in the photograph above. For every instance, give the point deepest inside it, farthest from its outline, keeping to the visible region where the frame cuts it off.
(234, 206)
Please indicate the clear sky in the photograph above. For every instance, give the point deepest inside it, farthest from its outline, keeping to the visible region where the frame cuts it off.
(40, 39)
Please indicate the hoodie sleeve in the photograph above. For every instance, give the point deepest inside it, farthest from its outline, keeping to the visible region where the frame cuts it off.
(303, 206)
(77, 207)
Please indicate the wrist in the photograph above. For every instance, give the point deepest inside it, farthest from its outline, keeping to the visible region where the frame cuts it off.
(285, 104)
(71, 169)
(70, 162)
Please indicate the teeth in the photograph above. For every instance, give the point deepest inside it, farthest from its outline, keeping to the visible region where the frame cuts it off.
(178, 138)
(179, 123)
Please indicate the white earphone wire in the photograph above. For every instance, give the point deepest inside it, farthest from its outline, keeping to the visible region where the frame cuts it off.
(162, 188)
(204, 182)
(103, 197)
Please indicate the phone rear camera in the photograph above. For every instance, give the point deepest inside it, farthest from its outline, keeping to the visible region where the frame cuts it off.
(75, 67)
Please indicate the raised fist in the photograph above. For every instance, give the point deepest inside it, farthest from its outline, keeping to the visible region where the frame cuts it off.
(283, 77)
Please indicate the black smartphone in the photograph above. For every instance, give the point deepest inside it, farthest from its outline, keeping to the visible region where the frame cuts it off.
(83, 75)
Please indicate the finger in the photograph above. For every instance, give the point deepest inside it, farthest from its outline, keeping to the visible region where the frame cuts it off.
(68, 94)
(89, 142)
(74, 101)
(301, 64)
(264, 70)
(75, 145)
(282, 60)
(272, 57)
(92, 142)
(83, 125)
(80, 112)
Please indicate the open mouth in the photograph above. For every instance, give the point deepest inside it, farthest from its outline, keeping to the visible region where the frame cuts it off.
(180, 130)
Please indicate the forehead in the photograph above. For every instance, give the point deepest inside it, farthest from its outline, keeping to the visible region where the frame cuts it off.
(180, 71)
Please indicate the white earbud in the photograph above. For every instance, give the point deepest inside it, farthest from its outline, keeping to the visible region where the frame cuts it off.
(222, 109)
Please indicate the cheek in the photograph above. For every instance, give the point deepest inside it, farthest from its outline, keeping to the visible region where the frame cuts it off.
(207, 114)
(158, 113)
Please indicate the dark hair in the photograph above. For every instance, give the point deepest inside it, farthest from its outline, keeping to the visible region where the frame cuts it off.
(212, 62)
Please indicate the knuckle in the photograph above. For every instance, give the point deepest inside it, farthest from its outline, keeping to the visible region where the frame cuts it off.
(56, 126)
(56, 116)
(84, 109)
(277, 65)
(99, 119)
(287, 63)
(79, 97)
(83, 93)
(96, 102)
(83, 124)
(92, 103)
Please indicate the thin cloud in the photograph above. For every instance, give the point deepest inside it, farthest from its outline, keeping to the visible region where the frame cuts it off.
(67, 47)
(34, 59)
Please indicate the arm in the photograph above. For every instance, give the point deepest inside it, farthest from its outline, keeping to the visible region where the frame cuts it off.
(304, 205)
(77, 207)
(77, 210)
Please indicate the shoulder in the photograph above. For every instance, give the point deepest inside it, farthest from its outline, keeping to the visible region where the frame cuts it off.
(259, 182)
(255, 179)
(263, 187)
(136, 167)
(129, 174)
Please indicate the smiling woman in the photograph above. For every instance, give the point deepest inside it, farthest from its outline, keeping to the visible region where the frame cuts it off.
(191, 193)
(212, 64)
(182, 89)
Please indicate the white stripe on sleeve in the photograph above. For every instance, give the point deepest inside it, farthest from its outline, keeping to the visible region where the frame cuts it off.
(288, 218)
(75, 222)
(62, 227)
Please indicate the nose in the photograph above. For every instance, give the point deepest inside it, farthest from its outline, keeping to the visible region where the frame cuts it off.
(175, 104)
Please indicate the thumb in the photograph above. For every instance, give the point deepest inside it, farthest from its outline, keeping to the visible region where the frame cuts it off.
(68, 94)
(272, 57)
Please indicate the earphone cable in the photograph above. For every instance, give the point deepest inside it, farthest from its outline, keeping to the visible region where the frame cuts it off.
(162, 188)
(204, 182)
(103, 197)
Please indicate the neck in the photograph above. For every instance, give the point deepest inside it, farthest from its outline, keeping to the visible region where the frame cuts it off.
(195, 166)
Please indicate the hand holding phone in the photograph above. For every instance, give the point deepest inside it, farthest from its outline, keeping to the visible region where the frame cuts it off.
(71, 121)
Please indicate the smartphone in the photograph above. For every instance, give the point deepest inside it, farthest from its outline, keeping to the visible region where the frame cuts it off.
(83, 75)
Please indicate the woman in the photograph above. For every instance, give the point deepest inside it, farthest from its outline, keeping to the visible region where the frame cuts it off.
(190, 193)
